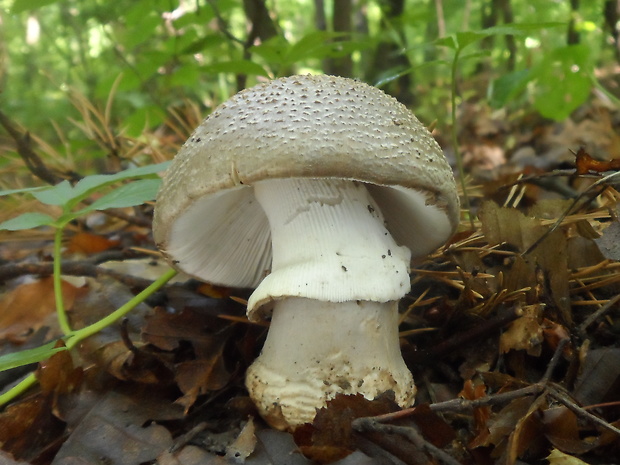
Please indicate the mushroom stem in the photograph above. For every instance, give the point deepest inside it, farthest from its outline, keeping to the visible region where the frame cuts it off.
(329, 243)
(315, 350)
(336, 277)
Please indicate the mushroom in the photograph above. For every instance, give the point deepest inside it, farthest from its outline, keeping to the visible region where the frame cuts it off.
(316, 191)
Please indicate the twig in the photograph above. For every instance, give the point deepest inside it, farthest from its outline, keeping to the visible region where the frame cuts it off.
(596, 315)
(569, 209)
(554, 361)
(76, 268)
(580, 412)
(368, 424)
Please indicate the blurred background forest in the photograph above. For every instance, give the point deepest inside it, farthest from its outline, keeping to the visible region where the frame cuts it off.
(96, 83)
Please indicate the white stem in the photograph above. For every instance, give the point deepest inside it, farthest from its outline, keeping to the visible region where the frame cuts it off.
(329, 243)
(336, 277)
(315, 350)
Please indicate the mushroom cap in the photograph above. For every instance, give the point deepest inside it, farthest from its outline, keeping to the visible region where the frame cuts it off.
(207, 222)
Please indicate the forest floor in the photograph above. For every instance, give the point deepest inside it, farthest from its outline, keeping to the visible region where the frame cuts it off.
(512, 331)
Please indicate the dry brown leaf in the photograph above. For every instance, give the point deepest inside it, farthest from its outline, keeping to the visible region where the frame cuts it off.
(562, 429)
(57, 375)
(207, 373)
(330, 436)
(190, 455)
(26, 308)
(244, 444)
(609, 242)
(527, 434)
(557, 457)
(116, 429)
(525, 333)
(585, 163)
(509, 225)
(481, 414)
(600, 376)
(28, 427)
(87, 243)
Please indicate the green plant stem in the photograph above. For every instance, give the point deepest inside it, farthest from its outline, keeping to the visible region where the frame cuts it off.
(63, 320)
(455, 142)
(78, 336)
(81, 334)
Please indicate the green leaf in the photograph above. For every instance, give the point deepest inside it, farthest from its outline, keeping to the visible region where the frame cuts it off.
(91, 184)
(27, 221)
(26, 357)
(563, 81)
(508, 86)
(25, 190)
(273, 50)
(460, 40)
(237, 67)
(128, 195)
(24, 5)
(448, 41)
(59, 194)
(521, 28)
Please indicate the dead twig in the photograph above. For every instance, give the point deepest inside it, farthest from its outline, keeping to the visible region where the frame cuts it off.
(562, 398)
(75, 268)
(596, 315)
(368, 424)
(586, 193)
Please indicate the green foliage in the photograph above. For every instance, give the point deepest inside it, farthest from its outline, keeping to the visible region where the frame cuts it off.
(142, 189)
(200, 51)
(26, 357)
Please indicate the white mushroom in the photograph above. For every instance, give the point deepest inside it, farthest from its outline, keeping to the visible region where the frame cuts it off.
(316, 190)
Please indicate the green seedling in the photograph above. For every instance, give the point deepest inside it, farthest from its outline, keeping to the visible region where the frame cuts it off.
(73, 201)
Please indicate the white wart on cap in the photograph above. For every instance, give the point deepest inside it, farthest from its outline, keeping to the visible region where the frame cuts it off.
(316, 190)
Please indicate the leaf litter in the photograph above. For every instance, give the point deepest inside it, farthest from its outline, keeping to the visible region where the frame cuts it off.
(511, 331)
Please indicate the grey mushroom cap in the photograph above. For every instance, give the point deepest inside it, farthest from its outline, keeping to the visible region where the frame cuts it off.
(208, 223)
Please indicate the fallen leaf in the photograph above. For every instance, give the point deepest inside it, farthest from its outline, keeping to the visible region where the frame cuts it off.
(26, 308)
(276, 448)
(190, 455)
(6, 459)
(585, 163)
(57, 375)
(600, 376)
(88, 243)
(609, 242)
(330, 437)
(557, 457)
(28, 427)
(562, 429)
(112, 430)
(525, 333)
(244, 445)
(481, 414)
(205, 374)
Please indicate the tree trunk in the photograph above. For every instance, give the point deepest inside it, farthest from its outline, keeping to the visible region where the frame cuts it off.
(390, 57)
(342, 22)
(572, 35)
